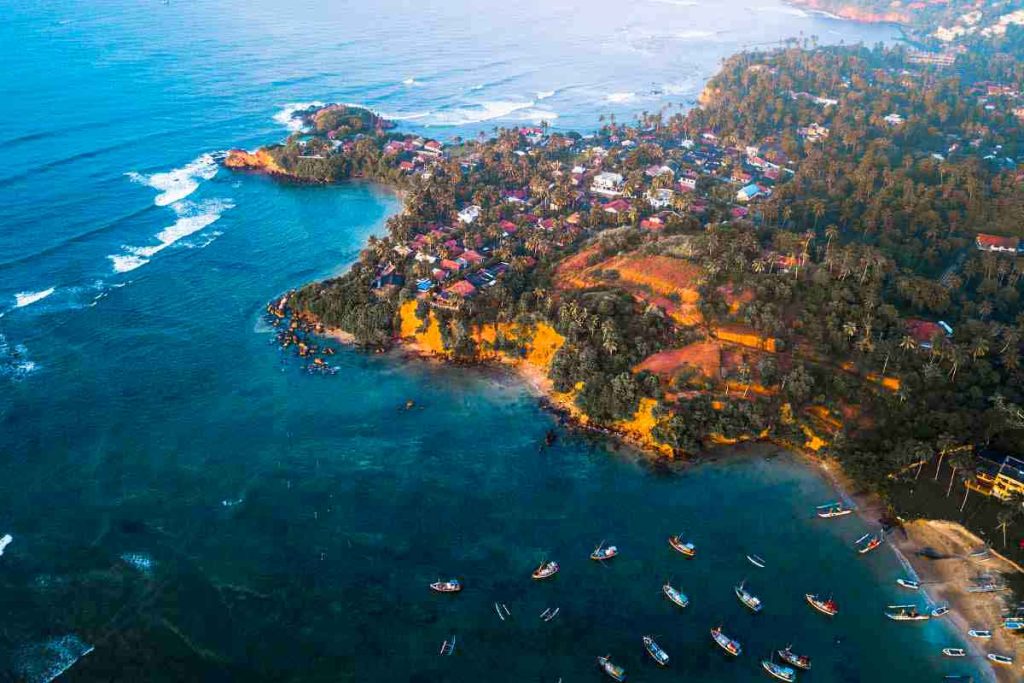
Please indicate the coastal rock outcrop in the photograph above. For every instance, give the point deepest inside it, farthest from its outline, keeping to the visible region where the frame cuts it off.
(854, 13)
(260, 160)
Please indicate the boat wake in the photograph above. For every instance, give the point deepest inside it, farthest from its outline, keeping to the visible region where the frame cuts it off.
(22, 299)
(44, 662)
(192, 217)
(179, 183)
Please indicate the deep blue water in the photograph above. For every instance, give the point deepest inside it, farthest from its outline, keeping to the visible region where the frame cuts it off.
(186, 504)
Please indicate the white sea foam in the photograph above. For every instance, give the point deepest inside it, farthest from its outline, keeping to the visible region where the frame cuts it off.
(621, 97)
(677, 3)
(46, 661)
(140, 561)
(4, 542)
(411, 81)
(191, 219)
(15, 363)
(286, 117)
(22, 299)
(175, 185)
(544, 94)
(782, 9)
(693, 34)
(510, 110)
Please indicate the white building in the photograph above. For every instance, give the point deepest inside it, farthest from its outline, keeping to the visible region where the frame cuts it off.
(470, 214)
(607, 184)
(660, 199)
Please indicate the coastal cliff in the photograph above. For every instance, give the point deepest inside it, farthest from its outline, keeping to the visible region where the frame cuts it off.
(854, 12)
(261, 161)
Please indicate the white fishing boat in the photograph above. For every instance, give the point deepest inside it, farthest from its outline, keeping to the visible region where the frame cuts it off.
(447, 647)
(548, 614)
(751, 601)
(868, 542)
(827, 607)
(783, 673)
(502, 610)
(908, 584)
(614, 672)
(979, 633)
(655, 651)
(1013, 624)
(603, 552)
(681, 546)
(906, 613)
(449, 586)
(954, 652)
(731, 646)
(830, 510)
(544, 571)
(676, 596)
(756, 561)
(799, 661)
(999, 659)
(940, 611)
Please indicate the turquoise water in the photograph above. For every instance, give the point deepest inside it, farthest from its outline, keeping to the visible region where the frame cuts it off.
(187, 504)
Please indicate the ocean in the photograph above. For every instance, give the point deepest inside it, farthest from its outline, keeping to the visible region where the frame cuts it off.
(187, 504)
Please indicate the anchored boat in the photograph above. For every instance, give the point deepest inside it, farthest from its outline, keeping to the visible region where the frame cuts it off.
(655, 651)
(868, 542)
(750, 600)
(449, 586)
(978, 633)
(447, 647)
(783, 673)
(908, 584)
(756, 561)
(1013, 624)
(799, 661)
(725, 642)
(545, 571)
(615, 672)
(940, 611)
(603, 552)
(906, 613)
(828, 607)
(954, 652)
(999, 659)
(675, 596)
(829, 510)
(681, 546)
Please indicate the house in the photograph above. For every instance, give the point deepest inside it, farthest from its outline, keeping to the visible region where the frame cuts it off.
(814, 132)
(1001, 476)
(607, 184)
(688, 183)
(654, 224)
(741, 176)
(894, 119)
(924, 331)
(996, 243)
(450, 265)
(471, 256)
(660, 199)
(424, 284)
(617, 207)
(469, 214)
(548, 224)
(432, 148)
(407, 166)
(508, 227)
(462, 288)
(748, 193)
(656, 170)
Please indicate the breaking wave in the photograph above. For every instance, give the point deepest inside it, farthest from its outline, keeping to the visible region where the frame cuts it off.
(179, 183)
(621, 97)
(677, 3)
(43, 662)
(191, 219)
(22, 299)
(777, 9)
(544, 94)
(14, 360)
(490, 111)
(286, 117)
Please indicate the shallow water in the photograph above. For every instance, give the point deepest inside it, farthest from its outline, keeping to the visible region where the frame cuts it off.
(187, 504)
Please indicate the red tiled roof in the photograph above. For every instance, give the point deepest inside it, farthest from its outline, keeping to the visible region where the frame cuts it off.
(997, 242)
(463, 288)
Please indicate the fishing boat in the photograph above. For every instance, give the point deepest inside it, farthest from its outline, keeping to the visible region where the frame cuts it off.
(1013, 624)
(908, 584)
(799, 661)
(603, 552)
(783, 673)
(548, 614)
(828, 607)
(873, 541)
(675, 596)
(756, 561)
(725, 642)
(750, 600)
(999, 659)
(830, 510)
(940, 611)
(655, 651)
(447, 647)
(979, 633)
(681, 546)
(545, 571)
(954, 652)
(449, 586)
(906, 613)
(502, 610)
(614, 672)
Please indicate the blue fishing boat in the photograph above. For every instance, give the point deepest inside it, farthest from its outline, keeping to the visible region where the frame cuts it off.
(655, 651)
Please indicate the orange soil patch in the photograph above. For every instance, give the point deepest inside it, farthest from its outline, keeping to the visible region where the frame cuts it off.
(543, 342)
(825, 416)
(706, 356)
(745, 336)
(641, 427)
(734, 299)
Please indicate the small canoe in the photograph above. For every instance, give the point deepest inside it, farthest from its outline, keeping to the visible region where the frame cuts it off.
(655, 651)
(749, 600)
(940, 611)
(999, 659)
(783, 673)
(756, 561)
(908, 584)
(978, 633)
(545, 571)
(906, 613)
(954, 652)
(450, 586)
(447, 647)
(675, 596)
(604, 552)
(1013, 625)
(799, 661)
(681, 546)
(830, 510)
(731, 646)
(866, 543)
(615, 672)
(827, 607)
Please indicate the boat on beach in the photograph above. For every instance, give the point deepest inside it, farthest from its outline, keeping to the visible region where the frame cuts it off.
(906, 613)
(827, 607)
(783, 673)
(979, 633)
(999, 659)
(604, 552)
(830, 510)
(940, 611)
(449, 586)
(1013, 624)
(751, 601)
(675, 596)
(756, 561)
(681, 546)
(908, 584)
(725, 642)
(545, 571)
(799, 661)
(655, 651)
(954, 652)
(615, 672)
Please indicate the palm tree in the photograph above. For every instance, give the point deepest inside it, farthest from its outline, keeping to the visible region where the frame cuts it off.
(958, 461)
(907, 343)
(1004, 517)
(966, 476)
(944, 444)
